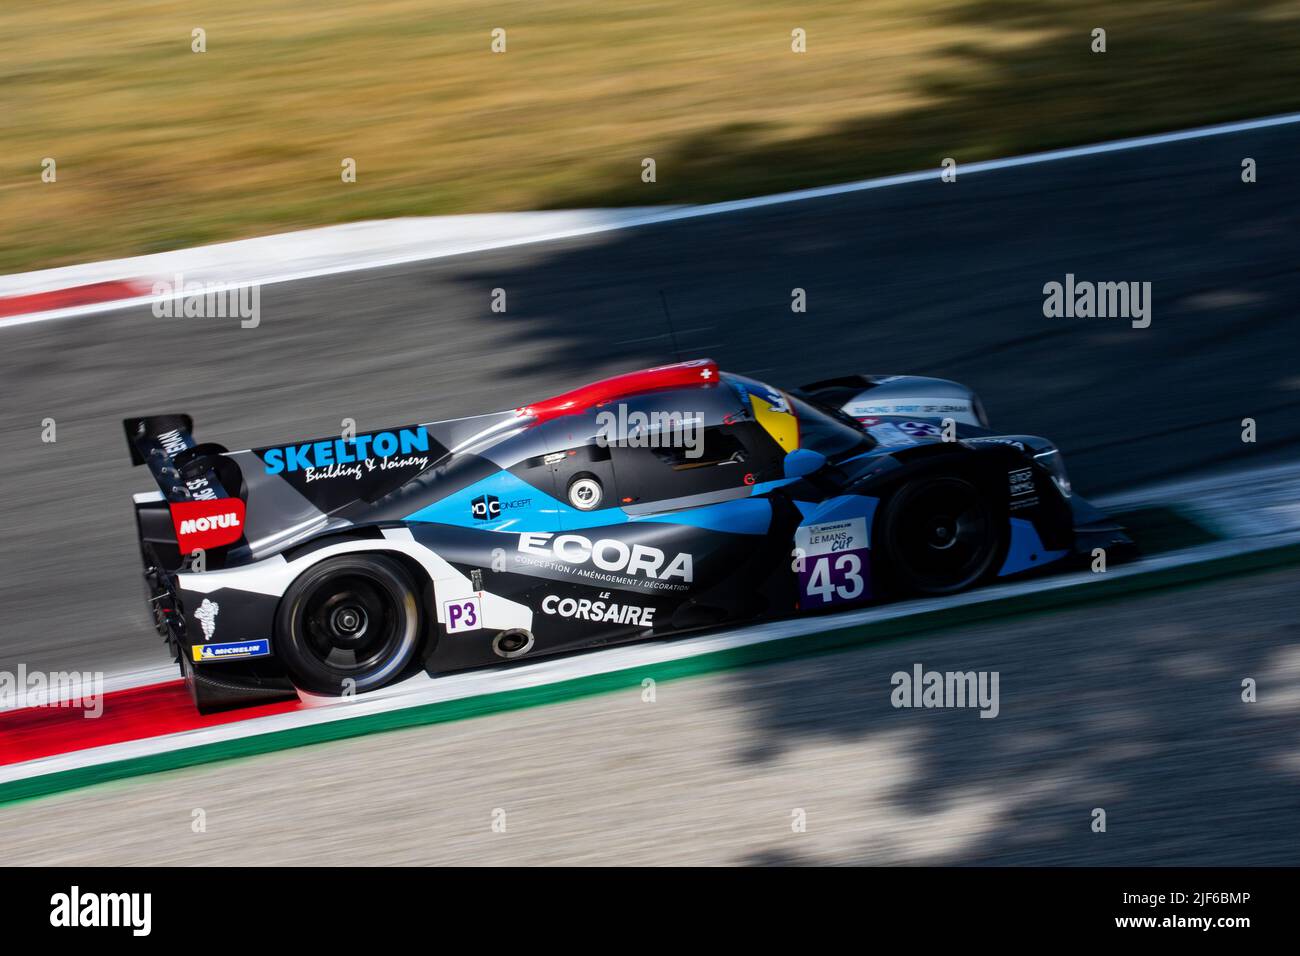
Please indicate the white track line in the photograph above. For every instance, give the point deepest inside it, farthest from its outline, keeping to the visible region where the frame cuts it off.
(1269, 489)
(1236, 504)
(120, 680)
(423, 690)
(610, 220)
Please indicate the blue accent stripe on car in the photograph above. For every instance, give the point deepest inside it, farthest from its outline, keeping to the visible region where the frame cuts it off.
(1026, 550)
(763, 487)
(521, 508)
(841, 507)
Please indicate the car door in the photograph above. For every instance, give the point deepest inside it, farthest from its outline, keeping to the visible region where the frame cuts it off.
(700, 501)
(595, 577)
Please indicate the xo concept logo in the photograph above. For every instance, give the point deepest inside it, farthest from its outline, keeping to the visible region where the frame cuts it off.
(489, 507)
(485, 507)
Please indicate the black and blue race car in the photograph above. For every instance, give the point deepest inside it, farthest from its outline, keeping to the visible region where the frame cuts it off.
(648, 504)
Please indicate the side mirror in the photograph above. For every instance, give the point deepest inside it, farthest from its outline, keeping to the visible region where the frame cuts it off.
(803, 461)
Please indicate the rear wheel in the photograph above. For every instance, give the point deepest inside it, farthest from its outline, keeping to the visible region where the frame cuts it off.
(938, 535)
(348, 624)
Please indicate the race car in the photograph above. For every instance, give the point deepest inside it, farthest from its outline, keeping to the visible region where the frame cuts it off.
(649, 504)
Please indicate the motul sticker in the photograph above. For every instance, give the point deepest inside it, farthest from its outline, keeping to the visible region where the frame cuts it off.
(207, 524)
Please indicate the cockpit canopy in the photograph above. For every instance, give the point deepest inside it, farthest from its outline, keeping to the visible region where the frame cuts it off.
(677, 432)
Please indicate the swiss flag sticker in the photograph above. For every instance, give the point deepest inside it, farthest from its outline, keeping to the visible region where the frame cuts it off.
(207, 524)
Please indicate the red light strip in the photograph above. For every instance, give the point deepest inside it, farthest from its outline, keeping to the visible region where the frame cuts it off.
(680, 375)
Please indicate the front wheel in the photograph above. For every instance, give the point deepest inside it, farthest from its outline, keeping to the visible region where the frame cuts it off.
(349, 624)
(938, 535)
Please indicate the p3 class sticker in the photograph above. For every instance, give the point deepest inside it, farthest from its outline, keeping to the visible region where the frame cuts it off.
(462, 614)
(836, 563)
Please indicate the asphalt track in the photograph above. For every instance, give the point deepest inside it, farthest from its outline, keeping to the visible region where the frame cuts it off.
(1133, 707)
(928, 278)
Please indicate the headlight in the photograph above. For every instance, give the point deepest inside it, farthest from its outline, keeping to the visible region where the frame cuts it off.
(1055, 465)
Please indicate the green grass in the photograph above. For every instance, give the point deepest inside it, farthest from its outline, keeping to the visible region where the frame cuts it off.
(158, 147)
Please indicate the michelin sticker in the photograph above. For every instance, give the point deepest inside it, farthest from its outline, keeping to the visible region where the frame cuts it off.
(224, 652)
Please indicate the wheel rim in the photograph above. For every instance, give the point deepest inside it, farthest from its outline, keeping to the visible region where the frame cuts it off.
(350, 624)
(944, 535)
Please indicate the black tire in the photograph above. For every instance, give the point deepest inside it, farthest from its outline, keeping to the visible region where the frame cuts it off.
(354, 618)
(938, 535)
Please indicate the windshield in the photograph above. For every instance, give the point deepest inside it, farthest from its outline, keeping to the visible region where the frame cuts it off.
(824, 432)
(820, 429)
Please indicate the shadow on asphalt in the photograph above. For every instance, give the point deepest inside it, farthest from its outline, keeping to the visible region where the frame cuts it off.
(947, 280)
(933, 278)
(1135, 708)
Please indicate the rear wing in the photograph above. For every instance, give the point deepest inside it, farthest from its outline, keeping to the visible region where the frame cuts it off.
(202, 487)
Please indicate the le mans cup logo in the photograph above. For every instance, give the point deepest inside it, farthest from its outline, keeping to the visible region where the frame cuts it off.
(201, 525)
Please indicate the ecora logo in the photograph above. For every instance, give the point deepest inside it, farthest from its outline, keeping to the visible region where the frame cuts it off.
(609, 554)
